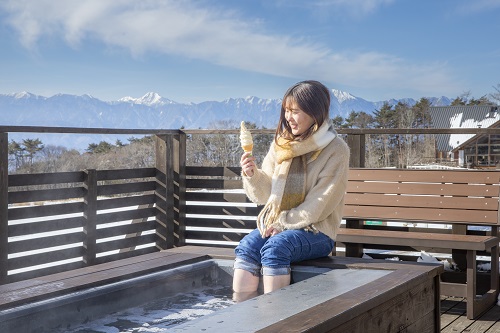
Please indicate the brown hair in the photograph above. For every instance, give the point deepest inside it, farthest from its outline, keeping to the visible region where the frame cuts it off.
(313, 98)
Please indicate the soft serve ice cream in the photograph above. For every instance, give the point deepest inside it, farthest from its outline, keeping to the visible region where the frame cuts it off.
(246, 138)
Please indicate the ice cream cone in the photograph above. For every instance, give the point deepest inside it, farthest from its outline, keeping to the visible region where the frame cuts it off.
(246, 139)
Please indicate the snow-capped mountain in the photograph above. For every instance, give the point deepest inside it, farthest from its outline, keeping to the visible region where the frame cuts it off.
(150, 99)
(153, 111)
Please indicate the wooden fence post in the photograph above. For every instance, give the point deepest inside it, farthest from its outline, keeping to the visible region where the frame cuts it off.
(90, 215)
(4, 205)
(356, 143)
(171, 189)
(164, 152)
(181, 221)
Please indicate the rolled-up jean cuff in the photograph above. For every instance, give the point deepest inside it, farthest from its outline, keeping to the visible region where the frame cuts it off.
(247, 266)
(273, 271)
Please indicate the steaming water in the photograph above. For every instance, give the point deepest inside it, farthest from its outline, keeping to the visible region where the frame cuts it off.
(160, 315)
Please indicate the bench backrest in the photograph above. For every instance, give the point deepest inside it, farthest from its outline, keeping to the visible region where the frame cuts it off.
(441, 196)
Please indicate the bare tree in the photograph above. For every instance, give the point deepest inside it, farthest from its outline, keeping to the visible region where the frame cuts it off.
(496, 95)
(406, 117)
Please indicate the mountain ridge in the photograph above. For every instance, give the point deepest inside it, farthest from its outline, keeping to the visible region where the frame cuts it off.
(152, 111)
(342, 104)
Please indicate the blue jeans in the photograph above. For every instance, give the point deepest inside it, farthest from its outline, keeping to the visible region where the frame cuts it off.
(275, 254)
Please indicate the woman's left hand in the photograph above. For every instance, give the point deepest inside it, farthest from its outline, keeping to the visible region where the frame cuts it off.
(271, 232)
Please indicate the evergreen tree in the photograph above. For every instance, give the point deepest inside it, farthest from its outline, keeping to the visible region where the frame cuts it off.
(31, 147)
(483, 100)
(17, 152)
(338, 122)
(422, 113)
(385, 117)
(119, 143)
(466, 99)
(101, 147)
(144, 139)
(462, 99)
(384, 144)
(359, 120)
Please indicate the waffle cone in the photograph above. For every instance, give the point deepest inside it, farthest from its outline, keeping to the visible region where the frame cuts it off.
(247, 148)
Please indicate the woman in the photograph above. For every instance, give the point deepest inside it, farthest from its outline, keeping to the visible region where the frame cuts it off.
(302, 183)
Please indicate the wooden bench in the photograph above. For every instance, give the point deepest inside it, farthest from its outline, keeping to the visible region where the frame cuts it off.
(456, 198)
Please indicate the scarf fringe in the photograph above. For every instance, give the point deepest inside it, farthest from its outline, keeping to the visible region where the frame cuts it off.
(267, 216)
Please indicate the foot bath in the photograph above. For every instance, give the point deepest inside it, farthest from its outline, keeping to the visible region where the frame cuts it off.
(151, 303)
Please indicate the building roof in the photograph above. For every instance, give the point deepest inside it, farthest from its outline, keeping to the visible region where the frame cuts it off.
(473, 139)
(470, 116)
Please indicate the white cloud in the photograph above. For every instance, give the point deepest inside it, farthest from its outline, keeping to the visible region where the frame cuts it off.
(214, 35)
(355, 7)
(478, 6)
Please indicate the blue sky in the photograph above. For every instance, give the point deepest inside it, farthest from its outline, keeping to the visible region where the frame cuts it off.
(198, 50)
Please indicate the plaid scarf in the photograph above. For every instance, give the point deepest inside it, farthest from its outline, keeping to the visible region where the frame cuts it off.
(288, 189)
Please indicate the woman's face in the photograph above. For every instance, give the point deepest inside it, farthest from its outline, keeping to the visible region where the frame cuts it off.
(298, 120)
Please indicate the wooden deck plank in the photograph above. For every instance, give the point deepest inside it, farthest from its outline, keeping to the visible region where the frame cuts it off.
(458, 325)
(486, 322)
(454, 318)
(455, 307)
(495, 328)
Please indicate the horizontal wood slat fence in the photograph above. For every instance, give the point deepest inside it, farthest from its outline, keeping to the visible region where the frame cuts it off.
(56, 222)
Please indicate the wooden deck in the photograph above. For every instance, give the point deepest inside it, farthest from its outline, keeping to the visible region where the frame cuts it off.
(454, 318)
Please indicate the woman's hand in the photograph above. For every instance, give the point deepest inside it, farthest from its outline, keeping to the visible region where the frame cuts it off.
(247, 163)
(270, 231)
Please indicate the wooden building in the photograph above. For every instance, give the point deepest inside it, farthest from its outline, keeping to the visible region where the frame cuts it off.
(467, 150)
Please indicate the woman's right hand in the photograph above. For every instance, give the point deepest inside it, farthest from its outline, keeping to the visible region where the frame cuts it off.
(247, 163)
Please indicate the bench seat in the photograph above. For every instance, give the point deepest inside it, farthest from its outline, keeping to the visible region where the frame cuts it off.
(417, 239)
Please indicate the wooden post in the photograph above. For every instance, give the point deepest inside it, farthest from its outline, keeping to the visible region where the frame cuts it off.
(459, 256)
(181, 169)
(356, 143)
(494, 282)
(4, 205)
(353, 249)
(164, 151)
(90, 215)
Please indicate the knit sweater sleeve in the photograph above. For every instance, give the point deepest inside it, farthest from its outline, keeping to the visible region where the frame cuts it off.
(324, 197)
(258, 187)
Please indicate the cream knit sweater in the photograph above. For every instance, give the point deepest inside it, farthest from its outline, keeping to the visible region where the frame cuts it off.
(326, 183)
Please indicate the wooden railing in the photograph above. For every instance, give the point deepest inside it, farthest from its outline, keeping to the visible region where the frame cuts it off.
(79, 224)
(96, 216)
(92, 216)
